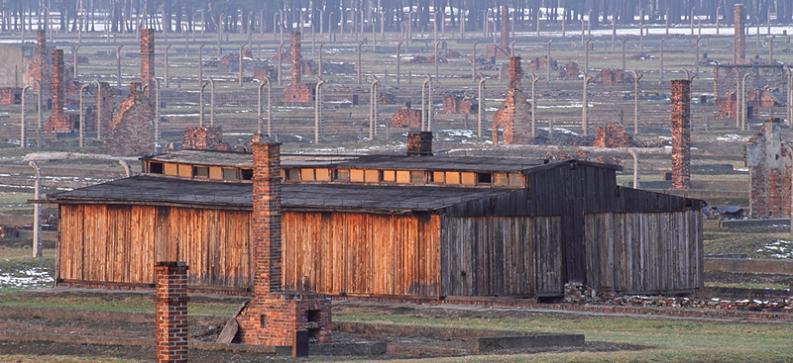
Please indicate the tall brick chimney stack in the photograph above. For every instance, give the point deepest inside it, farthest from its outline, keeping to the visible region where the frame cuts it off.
(296, 59)
(58, 121)
(171, 312)
(419, 143)
(681, 134)
(514, 72)
(147, 57)
(267, 218)
(740, 36)
(41, 56)
(505, 27)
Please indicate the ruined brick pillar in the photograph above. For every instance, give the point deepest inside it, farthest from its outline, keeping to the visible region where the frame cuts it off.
(58, 121)
(296, 57)
(681, 133)
(274, 316)
(419, 143)
(740, 37)
(171, 312)
(504, 27)
(514, 72)
(39, 67)
(267, 218)
(147, 57)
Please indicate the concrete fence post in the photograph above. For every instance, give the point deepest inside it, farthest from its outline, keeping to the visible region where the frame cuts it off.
(36, 209)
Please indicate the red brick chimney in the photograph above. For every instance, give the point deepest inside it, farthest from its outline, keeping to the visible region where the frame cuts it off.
(681, 133)
(504, 27)
(296, 57)
(274, 316)
(514, 72)
(147, 57)
(419, 143)
(40, 61)
(57, 122)
(740, 37)
(171, 312)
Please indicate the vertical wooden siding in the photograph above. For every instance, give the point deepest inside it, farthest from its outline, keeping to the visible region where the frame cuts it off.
(361, 254)
(644, 252)
(114, 243)
(505, 256)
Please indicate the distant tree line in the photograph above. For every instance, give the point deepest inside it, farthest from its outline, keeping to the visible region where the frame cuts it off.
(259, 15)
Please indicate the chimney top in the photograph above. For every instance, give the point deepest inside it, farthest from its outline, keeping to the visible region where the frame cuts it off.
(419, 143)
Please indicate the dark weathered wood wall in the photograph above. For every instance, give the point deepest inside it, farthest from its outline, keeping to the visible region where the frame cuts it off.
(362, 254)
(644, 253)
(500, 256)
(120, 244)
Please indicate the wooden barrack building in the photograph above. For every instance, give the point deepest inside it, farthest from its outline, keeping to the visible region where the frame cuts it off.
(386, 225)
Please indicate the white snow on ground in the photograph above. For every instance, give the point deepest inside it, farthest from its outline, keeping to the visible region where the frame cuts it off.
(559, 130)
(28, 278)
(780, 248)
(733, 138)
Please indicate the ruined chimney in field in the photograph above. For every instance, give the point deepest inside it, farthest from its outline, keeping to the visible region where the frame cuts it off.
(147, 59)
(170, 312)
(512, 122)
(505, 28)
(740, 37)
(419, 143)
(294, 52)
(681, 133)
(58, 121)
(39, 66)
(275, 317)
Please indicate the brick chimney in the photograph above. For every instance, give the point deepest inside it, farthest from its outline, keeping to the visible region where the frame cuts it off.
(58, 121)
(514, 72)
(419, 143)
(171, 312)
(275, 317)
(740, 37)
(505, 28)
(266, 218)
(681, 133)
(296, 58)
(147, 57)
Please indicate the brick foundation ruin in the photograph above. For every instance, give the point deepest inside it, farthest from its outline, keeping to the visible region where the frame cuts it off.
(204, 138)
(407, 117)
(58, 122)
(419, 143)
(740, 34)
(770, 165)
(132, 127)
(569, 71)
(10, 95)
(297, 92)
(613, 135)
(274, 316)
(756, 99)
(538, 64)
(613, 77)
(681, 134)
(171, 312)
(459, 104)
(513, 119)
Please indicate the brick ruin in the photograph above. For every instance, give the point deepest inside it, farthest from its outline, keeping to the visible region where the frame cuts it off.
(460, 104)
(513, 119)
(171, 312)
(740, 34)
(538, 64)
(204, 138)
(681, 134)
(132, 129)
(419, 143)
(407, 117)
(614, 76)
(297, 92)
(613, 135)
(10, 95)
(58, 122)
(274, 316)
(770, 165)
(756, 99)
(569, 71)
(502, 50)
(105, 99)
(39, 65)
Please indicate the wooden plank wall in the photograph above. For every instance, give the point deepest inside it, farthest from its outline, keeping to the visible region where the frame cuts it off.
(644, 253)
(362, 254)
(500, 256)
(115, 243)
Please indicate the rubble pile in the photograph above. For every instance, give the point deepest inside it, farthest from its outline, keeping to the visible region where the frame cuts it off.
(612, 136)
